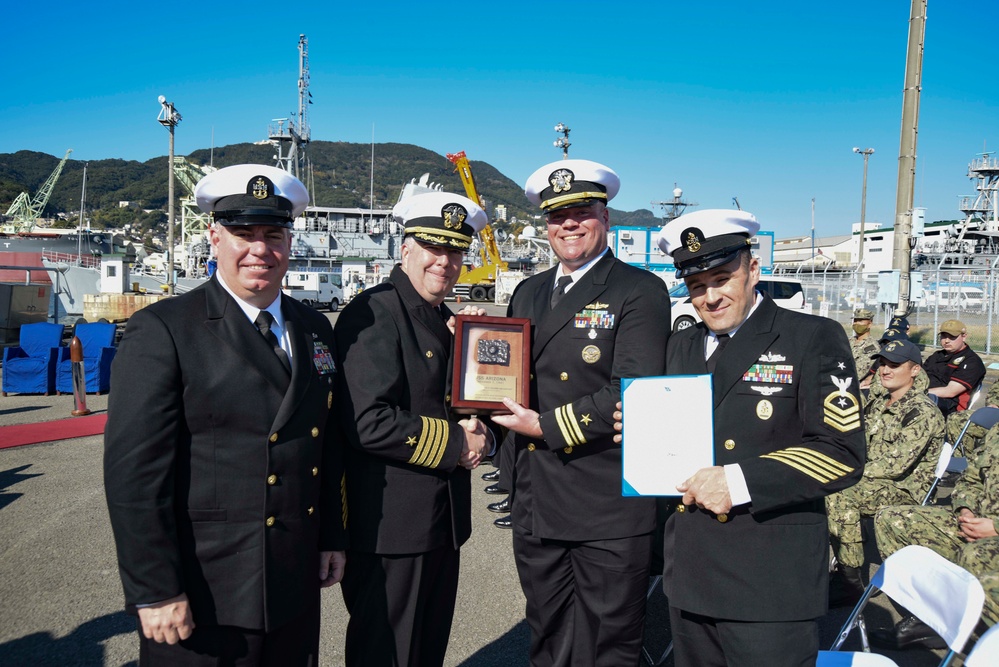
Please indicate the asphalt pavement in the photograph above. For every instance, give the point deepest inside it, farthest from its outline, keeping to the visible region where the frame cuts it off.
(60, 595)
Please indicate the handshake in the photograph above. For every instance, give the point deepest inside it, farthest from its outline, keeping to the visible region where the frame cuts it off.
(478, 442)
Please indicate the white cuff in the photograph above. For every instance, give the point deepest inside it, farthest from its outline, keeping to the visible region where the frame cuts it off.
(737, 489)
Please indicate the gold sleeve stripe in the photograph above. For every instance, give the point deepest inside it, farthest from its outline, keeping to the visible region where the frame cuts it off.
(819, 456)
(343, 498)
(816, 465)
(433, 441)
(566, 420)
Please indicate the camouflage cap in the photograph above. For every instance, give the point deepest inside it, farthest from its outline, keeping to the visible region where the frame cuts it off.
(863, 314)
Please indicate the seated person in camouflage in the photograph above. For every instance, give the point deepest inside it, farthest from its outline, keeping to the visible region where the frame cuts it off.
(862, 344)
(964, 533)
(869, 380)
(905, 433)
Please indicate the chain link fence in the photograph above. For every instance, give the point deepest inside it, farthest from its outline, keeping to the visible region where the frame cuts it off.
(970, 295)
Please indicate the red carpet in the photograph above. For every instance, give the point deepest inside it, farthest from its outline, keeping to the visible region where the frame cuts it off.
(60, 429)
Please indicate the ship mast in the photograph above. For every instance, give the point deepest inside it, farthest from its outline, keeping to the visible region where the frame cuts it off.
(291, 141)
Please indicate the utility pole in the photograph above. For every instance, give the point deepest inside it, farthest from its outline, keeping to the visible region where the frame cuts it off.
(867, 153)
(905, 190)
(169, 117)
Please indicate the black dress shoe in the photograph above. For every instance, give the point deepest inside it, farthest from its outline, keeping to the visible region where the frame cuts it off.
(495, 489)
(503, 522)
(491, 476)
(502, 507)
(909, 633)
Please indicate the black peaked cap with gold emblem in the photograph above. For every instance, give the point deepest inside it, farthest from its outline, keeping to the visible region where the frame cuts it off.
(703, 240)
(252, 194)
(440, 219)
(569, 183)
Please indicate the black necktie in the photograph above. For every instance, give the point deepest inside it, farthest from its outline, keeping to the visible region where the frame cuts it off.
(560, 288)
(713, 359)
(264, 321)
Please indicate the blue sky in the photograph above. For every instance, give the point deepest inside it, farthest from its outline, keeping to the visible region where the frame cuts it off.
(763, 101)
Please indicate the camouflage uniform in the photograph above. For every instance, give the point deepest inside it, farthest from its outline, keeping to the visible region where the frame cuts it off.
(903, 444)
(937, 527)
(862, 351)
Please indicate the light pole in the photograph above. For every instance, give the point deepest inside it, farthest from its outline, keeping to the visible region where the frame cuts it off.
(563, 141)
(169, 117)
(863, 212)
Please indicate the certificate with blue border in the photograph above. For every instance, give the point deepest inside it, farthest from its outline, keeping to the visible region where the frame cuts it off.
(668, 432)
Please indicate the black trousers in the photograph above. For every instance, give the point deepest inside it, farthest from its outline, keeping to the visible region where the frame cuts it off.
(400, 607)
(585, 600)
(702, 641)
(294, 644)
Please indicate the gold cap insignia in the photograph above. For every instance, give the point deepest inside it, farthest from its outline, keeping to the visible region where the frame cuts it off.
(454, 215)
(259, 189)
(692, 243)
(561, 180)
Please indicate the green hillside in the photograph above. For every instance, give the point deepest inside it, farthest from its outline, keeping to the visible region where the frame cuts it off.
(341, 177)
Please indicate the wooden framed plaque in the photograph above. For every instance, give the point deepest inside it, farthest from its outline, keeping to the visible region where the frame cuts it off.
(492, 359)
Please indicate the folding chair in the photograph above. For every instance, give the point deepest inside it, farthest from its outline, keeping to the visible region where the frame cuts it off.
(986, 650)
(942, 595)
(938, 474)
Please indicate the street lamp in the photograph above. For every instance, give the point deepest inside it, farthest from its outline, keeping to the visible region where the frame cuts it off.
(863, 212)
(563, 141)
(169, 117)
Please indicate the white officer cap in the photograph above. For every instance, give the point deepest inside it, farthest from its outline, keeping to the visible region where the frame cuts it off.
(702, 240)
(440, 219)
(252, 194)
(569, 183)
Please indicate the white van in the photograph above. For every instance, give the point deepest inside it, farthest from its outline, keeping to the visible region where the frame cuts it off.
(955, 296)
(786, 293)
(315, 288)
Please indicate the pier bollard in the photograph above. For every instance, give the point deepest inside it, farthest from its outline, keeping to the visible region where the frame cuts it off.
(79, 378)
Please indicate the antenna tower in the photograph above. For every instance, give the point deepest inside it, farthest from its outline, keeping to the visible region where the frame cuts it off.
(675, 207)
(292, 141)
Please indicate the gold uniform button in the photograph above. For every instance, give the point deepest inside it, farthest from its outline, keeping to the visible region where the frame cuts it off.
(271, 480)
(447, 398)
(430, 354)
(722, 518)
(568, 450)
(311, 510)
(681, 508)
(270, 521)
(730, 444)
(274, 437)
(532, 376)
(315, 431)
(329, 401)
(564, 376)
(315, 471)
(531, 447)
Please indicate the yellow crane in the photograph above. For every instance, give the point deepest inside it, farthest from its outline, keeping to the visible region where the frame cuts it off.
(25, 209)
(477, 283)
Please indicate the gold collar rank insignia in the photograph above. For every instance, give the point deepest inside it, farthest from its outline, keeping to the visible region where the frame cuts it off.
(561, 180)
